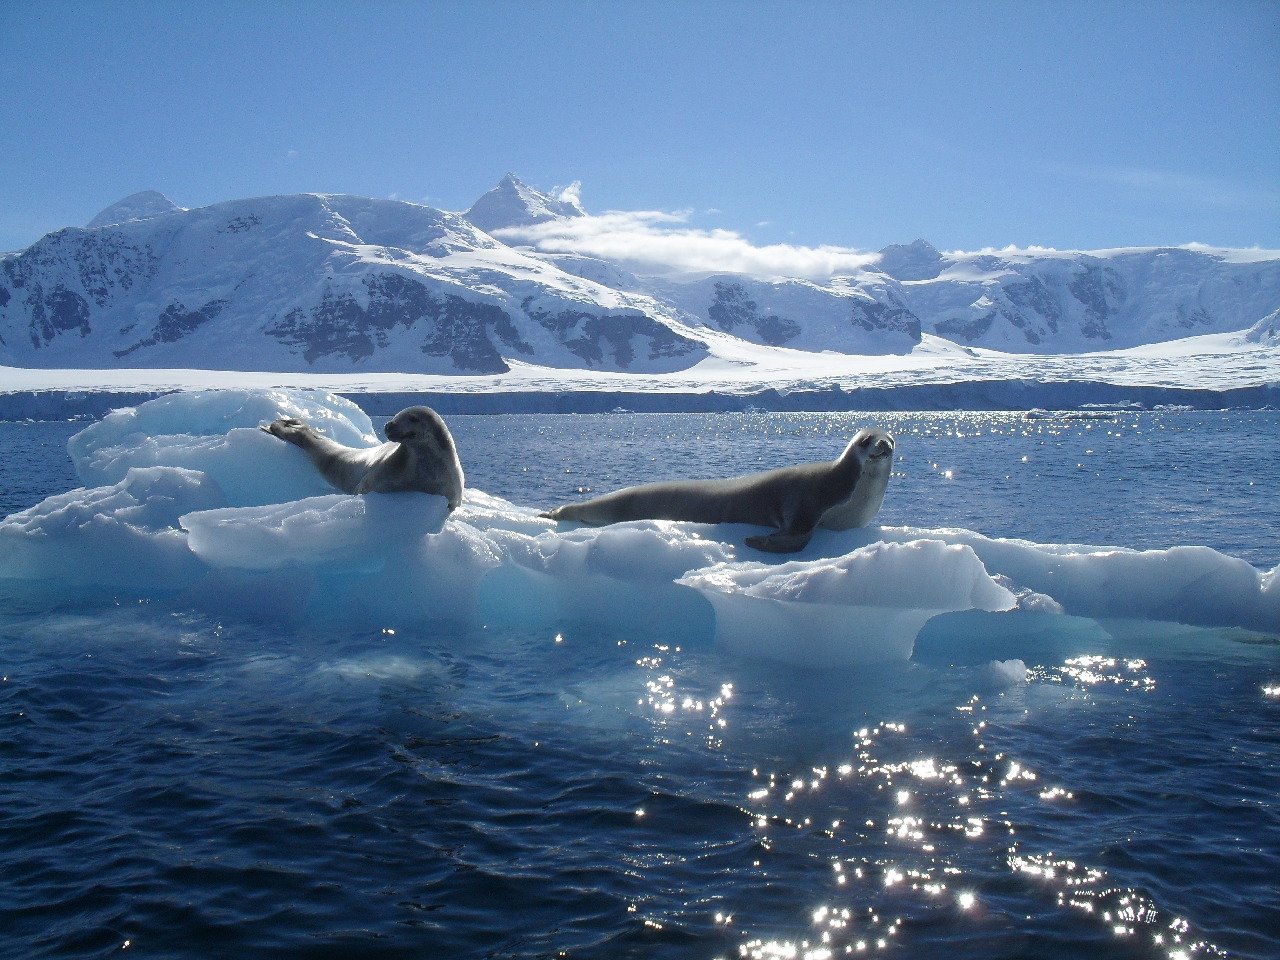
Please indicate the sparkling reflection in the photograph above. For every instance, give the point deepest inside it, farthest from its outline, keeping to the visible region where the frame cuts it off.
(897, 827)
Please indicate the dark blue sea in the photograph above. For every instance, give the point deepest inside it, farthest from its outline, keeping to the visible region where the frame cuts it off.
(176, 786)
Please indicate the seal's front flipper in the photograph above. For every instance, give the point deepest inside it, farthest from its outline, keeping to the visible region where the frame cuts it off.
(289, 428)
(781, 542)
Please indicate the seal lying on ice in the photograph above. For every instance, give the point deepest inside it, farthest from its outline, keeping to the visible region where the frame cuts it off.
(838, 494)
(420, 456)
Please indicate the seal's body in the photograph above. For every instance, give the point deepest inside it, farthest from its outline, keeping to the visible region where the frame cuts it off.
(420, 456)
(838, 494)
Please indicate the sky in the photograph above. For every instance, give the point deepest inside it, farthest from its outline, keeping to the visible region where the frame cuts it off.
(800, 125)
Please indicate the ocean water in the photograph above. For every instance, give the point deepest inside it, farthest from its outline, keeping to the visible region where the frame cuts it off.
(174, 786)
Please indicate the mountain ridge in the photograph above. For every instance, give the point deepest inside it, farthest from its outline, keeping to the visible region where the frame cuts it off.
(332, 282)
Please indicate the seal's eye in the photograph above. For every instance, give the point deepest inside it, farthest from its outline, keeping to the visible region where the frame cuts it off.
(866, 441)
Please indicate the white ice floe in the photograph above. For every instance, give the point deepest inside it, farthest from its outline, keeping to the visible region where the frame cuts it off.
(334, 529)
(216, 432)
(110, 536)
(194, 505)
(1002, 674)
(865, 606)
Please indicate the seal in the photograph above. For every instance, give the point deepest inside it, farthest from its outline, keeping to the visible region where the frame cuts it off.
(420, 455)
(838, 494)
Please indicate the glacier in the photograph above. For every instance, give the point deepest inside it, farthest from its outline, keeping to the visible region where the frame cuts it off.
(188, 504)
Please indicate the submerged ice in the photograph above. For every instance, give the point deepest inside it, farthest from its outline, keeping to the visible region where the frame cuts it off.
(185, 499)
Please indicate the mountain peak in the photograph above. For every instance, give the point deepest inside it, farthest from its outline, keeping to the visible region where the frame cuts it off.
(513, 203)
(143, 205)
(918, 260)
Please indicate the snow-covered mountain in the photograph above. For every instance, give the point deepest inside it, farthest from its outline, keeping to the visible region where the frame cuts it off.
(329, 283)
(1266, 331)
(317, 282)
(1073, 301)
(144, 205)
(513, 203)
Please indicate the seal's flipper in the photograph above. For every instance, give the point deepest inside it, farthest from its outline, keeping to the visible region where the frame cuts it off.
(781, 542)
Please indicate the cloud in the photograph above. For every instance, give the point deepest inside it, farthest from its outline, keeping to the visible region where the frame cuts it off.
(572, 193)
(664, 242)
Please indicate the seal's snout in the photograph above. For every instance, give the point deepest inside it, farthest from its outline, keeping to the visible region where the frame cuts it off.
(882, 447)
(394, 431)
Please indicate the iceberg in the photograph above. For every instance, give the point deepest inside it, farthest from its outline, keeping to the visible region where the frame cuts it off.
(334, 529)
(863, 607)
(107, 537)
(188, 504)
(216, 432)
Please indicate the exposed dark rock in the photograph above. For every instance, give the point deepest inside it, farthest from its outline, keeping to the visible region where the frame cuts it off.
(240, 224)
(967, 330)
(1193, 315)
(588, 335)
(453, 327)
(1037, 296)
(103, 261)
(891, 316)
(175, 323)
(4, 297)
(58, 312)
(1102, 292)
(733, 308)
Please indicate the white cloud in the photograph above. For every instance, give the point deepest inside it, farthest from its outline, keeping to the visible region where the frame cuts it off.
(572, 193)
(664, 242)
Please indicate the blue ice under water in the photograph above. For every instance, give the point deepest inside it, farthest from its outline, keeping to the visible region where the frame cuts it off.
(183, 779)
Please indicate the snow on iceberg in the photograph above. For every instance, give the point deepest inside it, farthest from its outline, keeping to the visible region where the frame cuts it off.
(347, 530)
(215, 431)
(1193, 585)
(190, 503)
(107, 536)
(865, 606)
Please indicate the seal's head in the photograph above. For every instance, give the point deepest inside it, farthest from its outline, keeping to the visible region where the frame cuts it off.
(871, 446)
(419, 425)
(429, 447)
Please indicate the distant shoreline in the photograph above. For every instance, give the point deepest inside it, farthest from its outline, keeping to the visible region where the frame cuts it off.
(992, 395)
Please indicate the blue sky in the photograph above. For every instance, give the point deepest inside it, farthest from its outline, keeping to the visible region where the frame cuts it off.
(1073, 125)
